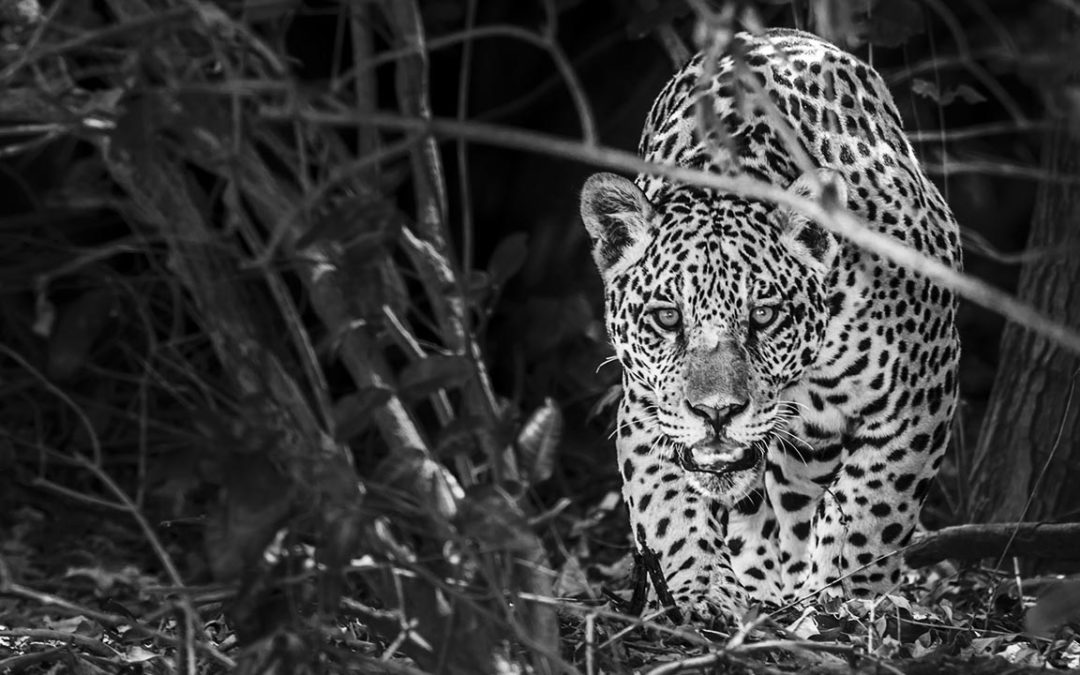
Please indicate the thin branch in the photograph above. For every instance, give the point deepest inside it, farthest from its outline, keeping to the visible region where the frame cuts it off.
(408, 343)
(91, 433)
(988, 168)
(512, 106)
(840, 222)
(1032, 59)
(975, 243)
(192, 621)
(20, 663)
(312, 197)
(96, 647)
(713, 659)
(976, 69)
(462, 150)
(46, 128)
(78, 497)
(561, 61)
(136, 26)
(978, 131)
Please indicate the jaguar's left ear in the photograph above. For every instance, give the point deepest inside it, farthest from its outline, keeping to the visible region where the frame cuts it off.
(806, 238)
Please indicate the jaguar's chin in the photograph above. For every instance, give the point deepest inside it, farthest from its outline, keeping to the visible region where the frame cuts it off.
(728, 488)
(722, 470)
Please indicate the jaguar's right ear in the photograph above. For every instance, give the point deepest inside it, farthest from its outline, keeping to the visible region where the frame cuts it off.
(616, 214)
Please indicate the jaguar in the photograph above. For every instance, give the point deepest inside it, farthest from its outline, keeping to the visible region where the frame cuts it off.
(787, 397)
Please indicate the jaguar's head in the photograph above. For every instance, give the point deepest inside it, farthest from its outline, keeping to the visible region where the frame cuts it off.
(716, 305)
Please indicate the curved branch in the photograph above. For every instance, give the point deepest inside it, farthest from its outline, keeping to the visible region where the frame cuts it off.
(839, 221)
(543, 42)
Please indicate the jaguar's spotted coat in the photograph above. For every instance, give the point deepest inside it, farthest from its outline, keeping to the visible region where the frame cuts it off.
(787, 396)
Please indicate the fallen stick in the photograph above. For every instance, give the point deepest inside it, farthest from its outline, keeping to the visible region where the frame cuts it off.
(993, 540)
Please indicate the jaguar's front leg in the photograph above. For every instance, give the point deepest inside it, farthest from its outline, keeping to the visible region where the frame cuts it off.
(870, 510)
(680, 529)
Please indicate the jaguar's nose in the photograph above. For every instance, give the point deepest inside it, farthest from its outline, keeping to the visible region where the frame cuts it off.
(718, 417)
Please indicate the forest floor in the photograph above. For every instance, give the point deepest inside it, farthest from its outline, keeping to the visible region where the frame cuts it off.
(91, 598)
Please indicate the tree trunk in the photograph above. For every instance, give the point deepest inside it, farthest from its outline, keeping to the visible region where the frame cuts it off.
(1028, 453)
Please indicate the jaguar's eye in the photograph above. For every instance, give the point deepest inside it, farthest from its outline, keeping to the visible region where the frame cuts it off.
(667, 318)
(762, 316)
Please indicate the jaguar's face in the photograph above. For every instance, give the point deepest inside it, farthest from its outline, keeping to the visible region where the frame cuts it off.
(713, 316)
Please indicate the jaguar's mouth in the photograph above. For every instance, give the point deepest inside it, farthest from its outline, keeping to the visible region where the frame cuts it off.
(718, 456)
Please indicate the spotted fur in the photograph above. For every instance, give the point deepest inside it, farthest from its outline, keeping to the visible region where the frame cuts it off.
(787, 396)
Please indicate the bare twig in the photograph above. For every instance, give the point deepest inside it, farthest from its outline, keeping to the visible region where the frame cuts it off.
(78, 497)
(590, 644)
(993, 53)
(714, 662)
(974, 67)
(284, 225)
(192, 622)
(953, 167)
(21, 662)
(411, 346)
(464, 184)
(132, 26)
(654, 622)
(703, 662)
(88, 643)
(546, 43)
(129, 506)
(977, 244)
(545, 87)
(91, 433)
(978, 131)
